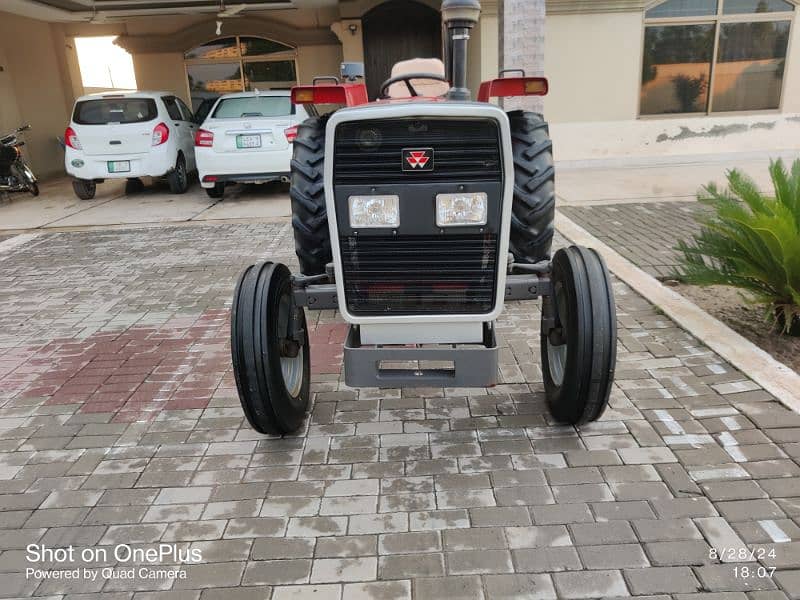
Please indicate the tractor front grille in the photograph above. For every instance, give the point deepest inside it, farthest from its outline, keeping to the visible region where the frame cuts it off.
(419, 274)
(368, 152)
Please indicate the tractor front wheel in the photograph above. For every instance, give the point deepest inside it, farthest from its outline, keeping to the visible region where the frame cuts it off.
(269, 349)
(534, 204)
(312, 240)
(579, 341)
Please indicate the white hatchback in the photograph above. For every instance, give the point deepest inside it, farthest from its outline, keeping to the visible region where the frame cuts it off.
(247, 138)
(127, 136)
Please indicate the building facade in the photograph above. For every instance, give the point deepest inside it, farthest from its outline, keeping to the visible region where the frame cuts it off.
(629, 79)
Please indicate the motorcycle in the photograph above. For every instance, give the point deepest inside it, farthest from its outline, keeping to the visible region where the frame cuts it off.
(15, 174)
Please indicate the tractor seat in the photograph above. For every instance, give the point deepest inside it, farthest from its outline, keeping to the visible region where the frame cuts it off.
(425, 87)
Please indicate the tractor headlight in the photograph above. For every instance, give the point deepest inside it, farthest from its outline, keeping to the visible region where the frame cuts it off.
(374, 211)
(461, 209)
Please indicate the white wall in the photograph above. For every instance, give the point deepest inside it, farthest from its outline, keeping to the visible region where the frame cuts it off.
(593, 63)
(32, 88)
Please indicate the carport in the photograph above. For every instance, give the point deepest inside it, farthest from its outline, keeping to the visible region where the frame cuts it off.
(197, 49)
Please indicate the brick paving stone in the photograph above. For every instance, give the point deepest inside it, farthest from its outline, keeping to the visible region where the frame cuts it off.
(593, 534)
(325, 570)
(690, 553)
(402, 566)
(299, 592)
(447, 588)
(789, 582)
(617, 556)
(119, 422)
(382, 590)
(277, 572)
(665, 530)
(659, 580)
(535, 587)
(406, 543)
(723, 578)
(546, 560)
(590, 584)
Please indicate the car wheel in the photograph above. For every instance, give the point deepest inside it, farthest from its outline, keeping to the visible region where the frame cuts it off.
(84, 188)
(216, 192)
(178, 179)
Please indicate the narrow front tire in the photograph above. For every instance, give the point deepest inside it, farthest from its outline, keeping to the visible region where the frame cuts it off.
(270, 350)
(579, 344)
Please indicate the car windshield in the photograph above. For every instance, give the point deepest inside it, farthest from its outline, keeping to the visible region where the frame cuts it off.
(115, 110)
(254, 106)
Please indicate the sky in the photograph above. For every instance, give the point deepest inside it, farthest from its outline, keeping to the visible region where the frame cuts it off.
(103, 64)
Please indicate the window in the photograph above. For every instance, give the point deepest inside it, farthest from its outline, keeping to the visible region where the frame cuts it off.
(103, 64)
(257, 106)
(237, 64)
(704, 56)
(172, 108)
(185, 111)
(115, 110)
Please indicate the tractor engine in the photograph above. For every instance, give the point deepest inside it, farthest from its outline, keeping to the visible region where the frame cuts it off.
(419, 207)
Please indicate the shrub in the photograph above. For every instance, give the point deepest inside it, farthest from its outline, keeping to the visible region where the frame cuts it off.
(751, 241)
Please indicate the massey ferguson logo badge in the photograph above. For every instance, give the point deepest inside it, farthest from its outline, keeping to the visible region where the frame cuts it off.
(418, 159)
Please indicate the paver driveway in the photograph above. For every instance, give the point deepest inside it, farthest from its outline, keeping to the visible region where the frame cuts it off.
(119, 424)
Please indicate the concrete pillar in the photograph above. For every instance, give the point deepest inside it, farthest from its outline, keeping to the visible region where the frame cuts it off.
(522, 27)
(351, 35)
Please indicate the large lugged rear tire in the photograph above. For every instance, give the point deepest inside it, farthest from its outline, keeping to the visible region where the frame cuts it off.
(273, 385)
(579, 353)
(534, 188)
(312, 241)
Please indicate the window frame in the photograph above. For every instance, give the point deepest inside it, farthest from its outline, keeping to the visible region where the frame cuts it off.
(716, 21)
(242, 59)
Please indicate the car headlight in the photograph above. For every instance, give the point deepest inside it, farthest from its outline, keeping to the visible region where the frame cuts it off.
(374, 211)
(461, 209)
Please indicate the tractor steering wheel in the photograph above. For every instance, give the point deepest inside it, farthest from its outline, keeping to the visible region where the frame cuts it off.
(406, 78)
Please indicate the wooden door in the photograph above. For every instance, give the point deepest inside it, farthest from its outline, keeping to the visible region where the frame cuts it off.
(395, 31)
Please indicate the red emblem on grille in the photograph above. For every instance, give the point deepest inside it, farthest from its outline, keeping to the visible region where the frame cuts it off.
(418, 159)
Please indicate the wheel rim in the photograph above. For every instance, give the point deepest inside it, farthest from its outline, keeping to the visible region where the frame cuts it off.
(557, 354)
(291, 366)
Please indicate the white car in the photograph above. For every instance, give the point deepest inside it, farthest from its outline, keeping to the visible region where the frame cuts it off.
(127, 136)
(247, 138)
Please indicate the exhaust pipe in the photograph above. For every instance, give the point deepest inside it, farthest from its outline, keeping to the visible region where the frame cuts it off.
(459, 17)
(285, 179)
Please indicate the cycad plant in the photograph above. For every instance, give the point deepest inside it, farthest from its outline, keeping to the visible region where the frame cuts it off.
(751, 241)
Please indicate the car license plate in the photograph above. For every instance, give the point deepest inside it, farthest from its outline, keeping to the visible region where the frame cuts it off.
(119, 166)
(248, 141)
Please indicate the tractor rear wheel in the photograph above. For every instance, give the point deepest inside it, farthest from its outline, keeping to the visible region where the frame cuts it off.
(312, 241)
(533, 210)
(579, 346)
(269, 350)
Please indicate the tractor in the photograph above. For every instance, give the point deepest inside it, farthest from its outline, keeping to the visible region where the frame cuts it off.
(417, 216)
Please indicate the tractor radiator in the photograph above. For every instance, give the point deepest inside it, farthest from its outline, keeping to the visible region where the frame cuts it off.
(391, 275)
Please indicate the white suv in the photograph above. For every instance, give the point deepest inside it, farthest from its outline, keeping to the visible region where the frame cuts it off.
(128, 136)
(247, 138)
